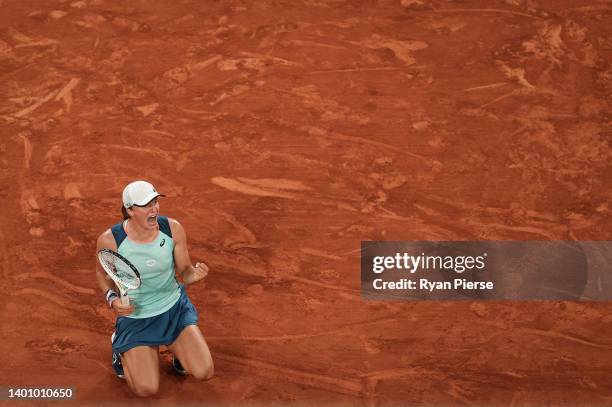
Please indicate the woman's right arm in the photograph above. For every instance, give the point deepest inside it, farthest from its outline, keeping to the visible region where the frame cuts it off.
(107, 241)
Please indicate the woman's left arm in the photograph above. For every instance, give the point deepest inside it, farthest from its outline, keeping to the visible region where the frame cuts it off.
(182, 261)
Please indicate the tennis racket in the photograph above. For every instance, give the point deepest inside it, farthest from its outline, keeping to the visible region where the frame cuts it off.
(124, 274)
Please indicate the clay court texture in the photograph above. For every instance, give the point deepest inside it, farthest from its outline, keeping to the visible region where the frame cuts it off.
(284, 133)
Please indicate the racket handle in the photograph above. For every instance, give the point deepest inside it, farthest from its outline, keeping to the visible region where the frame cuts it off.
(125, 300)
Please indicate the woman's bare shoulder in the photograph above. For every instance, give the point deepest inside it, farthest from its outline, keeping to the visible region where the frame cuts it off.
(178, 232)
(106, 240)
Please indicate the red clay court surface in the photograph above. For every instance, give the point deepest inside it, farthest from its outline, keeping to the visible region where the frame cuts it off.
(284, 133)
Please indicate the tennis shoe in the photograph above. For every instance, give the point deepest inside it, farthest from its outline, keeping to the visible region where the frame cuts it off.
(117, 366)
(176, 364)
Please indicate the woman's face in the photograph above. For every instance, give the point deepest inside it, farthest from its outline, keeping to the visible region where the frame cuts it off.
(145, 216)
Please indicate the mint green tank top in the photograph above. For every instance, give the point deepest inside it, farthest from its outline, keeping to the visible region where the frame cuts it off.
(158, 290)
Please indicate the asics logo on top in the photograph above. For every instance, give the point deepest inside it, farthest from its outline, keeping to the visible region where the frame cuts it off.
(163, 242)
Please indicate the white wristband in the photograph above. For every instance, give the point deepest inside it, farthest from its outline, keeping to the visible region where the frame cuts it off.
(111, 295)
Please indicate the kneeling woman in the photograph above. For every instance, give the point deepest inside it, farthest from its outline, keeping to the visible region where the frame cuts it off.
(159, 313)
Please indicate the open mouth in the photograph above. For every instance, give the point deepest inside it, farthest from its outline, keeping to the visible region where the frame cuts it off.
(152, 220)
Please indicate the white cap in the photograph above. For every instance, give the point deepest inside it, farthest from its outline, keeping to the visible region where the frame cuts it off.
(139, 193)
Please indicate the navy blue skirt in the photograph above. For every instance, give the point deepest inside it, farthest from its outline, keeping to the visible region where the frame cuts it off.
(162, 329)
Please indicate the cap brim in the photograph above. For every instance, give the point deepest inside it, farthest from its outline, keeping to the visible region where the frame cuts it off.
(148, 199)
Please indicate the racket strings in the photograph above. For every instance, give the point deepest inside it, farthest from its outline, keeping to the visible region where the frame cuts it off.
(122, 271)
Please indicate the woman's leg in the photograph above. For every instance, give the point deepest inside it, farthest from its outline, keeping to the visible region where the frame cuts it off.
(141, 367)
(192, 351)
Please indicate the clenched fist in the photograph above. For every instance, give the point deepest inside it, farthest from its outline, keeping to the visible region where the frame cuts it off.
(195, 273)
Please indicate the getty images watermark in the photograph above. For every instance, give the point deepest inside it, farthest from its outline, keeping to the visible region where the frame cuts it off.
(503, 270)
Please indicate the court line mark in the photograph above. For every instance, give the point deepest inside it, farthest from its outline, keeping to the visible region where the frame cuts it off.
(334, 384)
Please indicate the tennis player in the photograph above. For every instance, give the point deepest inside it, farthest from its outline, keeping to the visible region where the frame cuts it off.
(159, 312)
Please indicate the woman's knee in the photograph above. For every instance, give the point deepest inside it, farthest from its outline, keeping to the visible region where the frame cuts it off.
(142, 370)
(203, 371)
(145, 388)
